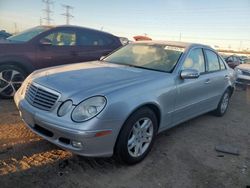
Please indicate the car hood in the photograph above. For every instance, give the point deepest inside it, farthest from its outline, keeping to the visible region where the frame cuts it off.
(83, 80)
(244, 67)
(6, 41)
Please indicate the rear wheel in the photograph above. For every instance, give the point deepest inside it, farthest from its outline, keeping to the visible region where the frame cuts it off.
(136, 137)
(223, 104)
(11, 78)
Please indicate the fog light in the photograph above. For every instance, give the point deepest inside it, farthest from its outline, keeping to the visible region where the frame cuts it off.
(76, 144)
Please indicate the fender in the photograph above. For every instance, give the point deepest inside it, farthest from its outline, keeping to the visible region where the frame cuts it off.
(20, 61)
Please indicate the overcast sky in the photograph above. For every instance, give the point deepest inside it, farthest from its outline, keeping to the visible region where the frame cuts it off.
(216, 22)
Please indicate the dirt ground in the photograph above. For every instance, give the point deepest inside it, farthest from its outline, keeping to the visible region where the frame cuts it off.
(181, 157)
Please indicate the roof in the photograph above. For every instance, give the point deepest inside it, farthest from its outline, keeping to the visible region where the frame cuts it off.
(172, 43)
(80, 27)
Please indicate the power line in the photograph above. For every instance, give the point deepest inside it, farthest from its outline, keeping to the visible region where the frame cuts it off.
(48, 11)
(67, 14)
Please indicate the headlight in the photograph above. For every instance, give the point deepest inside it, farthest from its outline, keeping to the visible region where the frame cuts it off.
(64, 108)
(88, 108)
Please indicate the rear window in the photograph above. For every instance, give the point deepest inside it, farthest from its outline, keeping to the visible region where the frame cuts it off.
(222, 65)
(94, 39)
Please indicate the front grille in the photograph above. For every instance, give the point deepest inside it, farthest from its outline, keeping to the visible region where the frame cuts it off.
(247, 73)
(41, 97)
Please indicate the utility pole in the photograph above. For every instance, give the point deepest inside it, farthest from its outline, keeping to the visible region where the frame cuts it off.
(40, 21)
(15, 27)
(48, 11)
(240, 47)
(67, 14)
(180, 37)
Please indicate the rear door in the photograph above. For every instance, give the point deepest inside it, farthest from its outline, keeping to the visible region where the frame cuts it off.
(218, 77)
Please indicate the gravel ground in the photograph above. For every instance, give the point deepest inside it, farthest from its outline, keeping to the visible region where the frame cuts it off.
(181, 157)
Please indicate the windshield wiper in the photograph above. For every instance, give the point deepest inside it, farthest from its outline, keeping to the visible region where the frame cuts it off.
(147, 68)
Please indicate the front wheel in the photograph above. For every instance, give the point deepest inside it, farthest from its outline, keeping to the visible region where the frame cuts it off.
(137, 136)
(11, 78)
(223, 104)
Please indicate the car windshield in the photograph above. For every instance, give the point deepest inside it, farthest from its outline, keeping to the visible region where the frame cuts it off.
(28, 34)
(157, 57)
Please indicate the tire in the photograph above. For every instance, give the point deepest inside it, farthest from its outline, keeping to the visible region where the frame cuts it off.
(11, 78)
(136, 137)
(223, 104)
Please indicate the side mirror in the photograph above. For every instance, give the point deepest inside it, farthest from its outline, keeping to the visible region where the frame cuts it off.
(190, 74)
(45, 42)
(229, 61)
(101, 58)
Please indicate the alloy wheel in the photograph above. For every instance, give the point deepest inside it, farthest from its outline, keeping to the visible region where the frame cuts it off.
(10, 81)
(224, 102)
(140, 137)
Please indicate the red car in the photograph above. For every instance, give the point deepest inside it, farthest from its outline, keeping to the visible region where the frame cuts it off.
(45, 46)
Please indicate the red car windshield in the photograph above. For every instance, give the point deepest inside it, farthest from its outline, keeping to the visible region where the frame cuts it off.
(28, 34)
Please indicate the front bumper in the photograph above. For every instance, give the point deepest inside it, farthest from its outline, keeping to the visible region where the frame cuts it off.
(243, 80)
(42, 123)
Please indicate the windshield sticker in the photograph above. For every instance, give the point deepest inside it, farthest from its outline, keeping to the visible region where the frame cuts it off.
(174, 48)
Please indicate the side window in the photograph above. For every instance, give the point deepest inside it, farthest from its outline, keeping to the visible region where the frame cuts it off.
(222, 65)
(93, 39)
(213, 62)
(61, 38)
(195, 60)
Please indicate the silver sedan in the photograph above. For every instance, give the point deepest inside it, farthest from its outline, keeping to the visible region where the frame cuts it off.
(116, 106)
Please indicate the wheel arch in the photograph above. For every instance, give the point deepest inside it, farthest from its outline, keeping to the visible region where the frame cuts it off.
(231, 90)
(154, 107)
(20, 63)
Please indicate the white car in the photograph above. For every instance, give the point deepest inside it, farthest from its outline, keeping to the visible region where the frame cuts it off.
(243, 74)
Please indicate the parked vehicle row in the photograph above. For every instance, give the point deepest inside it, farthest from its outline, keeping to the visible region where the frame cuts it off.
(4, 34)
(118, 105)
(47, 46)
(243, 74)
(241, 64)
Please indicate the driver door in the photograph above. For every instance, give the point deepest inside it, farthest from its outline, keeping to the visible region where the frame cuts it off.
(57, 48)
(192, 94)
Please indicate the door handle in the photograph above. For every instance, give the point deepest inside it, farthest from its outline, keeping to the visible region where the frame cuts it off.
(208, 81)
(226, 76)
